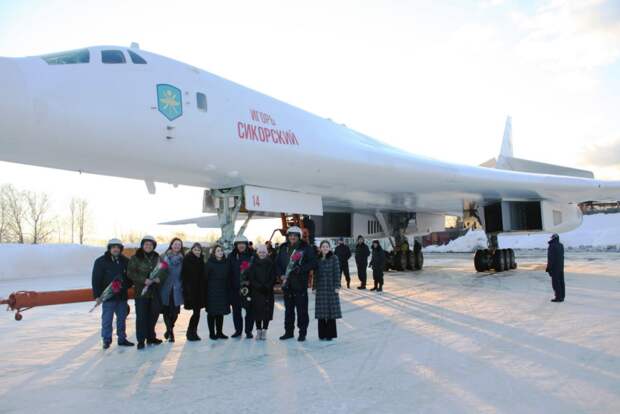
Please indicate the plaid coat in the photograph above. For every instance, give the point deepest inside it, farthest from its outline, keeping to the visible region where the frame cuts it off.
(326, 281)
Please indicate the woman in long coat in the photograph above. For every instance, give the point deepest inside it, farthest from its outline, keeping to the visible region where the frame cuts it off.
(378, 265)
(194, 288)
(262, 277)
(172, 289)
(327, 285)
(218, 286)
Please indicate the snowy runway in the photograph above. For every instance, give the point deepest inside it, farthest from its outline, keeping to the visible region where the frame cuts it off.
(441, 340)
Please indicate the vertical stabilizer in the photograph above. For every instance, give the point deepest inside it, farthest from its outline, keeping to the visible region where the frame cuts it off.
(506, 150)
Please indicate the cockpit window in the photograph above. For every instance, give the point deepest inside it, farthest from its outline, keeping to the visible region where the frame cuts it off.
(112, 56)
(66, 58)
(136, 58)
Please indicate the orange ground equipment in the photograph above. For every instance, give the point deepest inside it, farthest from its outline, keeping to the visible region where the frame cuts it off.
(23, 300)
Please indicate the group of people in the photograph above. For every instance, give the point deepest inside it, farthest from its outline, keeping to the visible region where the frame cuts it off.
(362, 253)
(241, 283)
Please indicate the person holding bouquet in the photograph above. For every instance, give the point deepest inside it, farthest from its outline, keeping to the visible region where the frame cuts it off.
(294, 262)
(147, 273)
(327, 285)
(171, 291)
(239, 261)
(218, 288)
(110, 284)
(262, 277)
(194, 288)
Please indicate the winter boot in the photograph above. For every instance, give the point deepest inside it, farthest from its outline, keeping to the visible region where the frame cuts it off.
(287, 335)
(249, 335)
(171, 336)
(212, 334)
(141, 345)
(237, 334)
(106, 344)
(125, 342)
(302, 337)
(380, 288)
(263, 336)
(374, 288)
(348, 284)
(259, 334)
(220, 325)
(363, 287)
(154, 341)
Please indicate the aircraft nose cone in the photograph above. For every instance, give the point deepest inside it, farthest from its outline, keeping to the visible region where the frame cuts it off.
(13, 104)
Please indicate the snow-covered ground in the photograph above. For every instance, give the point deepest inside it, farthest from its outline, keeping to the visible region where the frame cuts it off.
(599, 232)
(444, 340)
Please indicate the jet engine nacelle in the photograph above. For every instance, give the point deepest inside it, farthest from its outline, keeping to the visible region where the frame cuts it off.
(531, 216)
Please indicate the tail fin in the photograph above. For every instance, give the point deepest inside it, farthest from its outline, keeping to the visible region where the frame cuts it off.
(507, 161)
(506, 150)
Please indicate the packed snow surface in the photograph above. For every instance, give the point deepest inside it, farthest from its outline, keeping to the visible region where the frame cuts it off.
(598, 232)
(443, 340)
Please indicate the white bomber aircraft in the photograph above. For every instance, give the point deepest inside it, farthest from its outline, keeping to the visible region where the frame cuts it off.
(129, 113)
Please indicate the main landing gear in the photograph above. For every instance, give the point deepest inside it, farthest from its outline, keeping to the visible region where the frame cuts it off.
(494, 258)
(401, 257)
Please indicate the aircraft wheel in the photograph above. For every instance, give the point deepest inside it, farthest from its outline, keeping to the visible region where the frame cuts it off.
(499, 260)
(478, 261)
(418, 260)
(513, 261)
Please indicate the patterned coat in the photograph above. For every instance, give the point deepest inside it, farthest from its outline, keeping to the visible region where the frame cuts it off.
(173, 283)
(138, 270)
(326, 281)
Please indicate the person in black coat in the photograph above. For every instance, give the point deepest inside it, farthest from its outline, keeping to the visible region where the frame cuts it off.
(555, 267)
(343, 253)
(377, 263)
(108, 268)
(218, 287)
(240, 257)
(361, 260)
(295, 286)
(194, 289)
(261, 278)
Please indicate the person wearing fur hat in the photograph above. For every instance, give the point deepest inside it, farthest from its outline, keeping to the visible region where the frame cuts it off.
(148, 305)
(295, 281)
(239, 261)
(112, 268)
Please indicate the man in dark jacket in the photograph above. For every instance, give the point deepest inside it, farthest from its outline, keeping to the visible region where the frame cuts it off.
(361, 260)
(110, 267)
(555, 267)
(241, 254)
(344, 254)
(295, 284)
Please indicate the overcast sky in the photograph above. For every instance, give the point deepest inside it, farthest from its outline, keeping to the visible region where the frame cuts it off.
(434, 78)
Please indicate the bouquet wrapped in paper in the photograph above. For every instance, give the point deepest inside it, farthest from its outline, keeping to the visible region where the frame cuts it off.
(245, 283)
(161, 266)
(293, 264)
(112, 289)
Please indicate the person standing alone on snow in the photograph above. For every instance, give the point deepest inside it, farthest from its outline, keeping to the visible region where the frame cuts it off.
(327, 285)
(294, 262)
(343, 253)
(378, 264)
(555, 267)
(361, 260)
(111, 270)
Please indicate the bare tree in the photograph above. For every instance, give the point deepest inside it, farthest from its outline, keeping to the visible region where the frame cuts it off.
(73, 208)
(4, 216)
(16, 213)
(38, 216)
(82, 218)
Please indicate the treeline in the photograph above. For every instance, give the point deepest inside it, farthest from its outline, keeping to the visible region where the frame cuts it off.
(28, 217)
